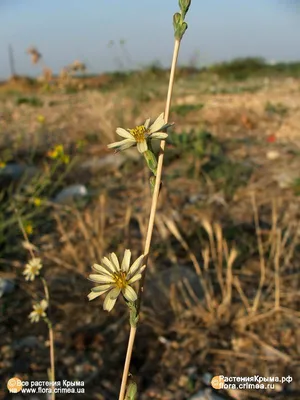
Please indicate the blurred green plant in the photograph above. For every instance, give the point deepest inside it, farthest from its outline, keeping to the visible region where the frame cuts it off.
(31, 101)
(234, 89)
(31, 196)
(296, 187)
(278, 108)
(200, 144)
(206, 155)
(184, 109)
(71, 89)
(242, 68)
(228, 175)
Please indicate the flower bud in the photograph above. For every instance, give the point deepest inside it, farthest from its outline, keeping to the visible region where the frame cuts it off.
(176, 22)
(184, 7)
(151, 161)
(131, 391)
(181, 30)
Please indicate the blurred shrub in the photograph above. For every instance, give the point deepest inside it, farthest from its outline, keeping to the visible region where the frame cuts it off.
(184, 109)
(278, 108)
(242, 68)
(32, 101)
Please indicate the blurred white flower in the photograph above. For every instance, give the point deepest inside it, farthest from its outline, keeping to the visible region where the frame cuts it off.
(32, 269)
(115, 278)
(273, 155)
(140, 134)
(38, 311)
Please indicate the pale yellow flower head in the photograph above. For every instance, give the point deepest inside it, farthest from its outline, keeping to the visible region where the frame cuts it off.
(115, 278)
(38, 311)
(57, 151)
(139, 135)
(37, 201)
(65, 159)
(41, 119)
(28, 228)
(32, 269)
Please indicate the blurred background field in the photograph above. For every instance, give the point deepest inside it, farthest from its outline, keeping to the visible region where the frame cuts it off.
(222, 293)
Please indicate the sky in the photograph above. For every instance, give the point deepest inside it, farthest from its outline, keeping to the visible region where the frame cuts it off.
(66, 30)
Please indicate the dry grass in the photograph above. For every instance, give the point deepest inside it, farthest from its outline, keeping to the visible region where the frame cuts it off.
(234, 310)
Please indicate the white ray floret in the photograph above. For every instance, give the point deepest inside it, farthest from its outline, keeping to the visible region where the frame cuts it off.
(32, 269)
(38, 311)
(140, 135)
(114, 278)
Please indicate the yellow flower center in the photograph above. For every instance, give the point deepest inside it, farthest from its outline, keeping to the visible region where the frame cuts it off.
(59, 148)
(29, 229)
(120, 279)
(138, 133)
(34, 269)
(39, 310)
(37, 201)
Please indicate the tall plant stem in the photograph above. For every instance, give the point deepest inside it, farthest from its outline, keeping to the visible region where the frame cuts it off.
(52, 364)
(51, 341)
(151, 221)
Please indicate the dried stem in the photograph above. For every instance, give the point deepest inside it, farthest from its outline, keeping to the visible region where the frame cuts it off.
(151, 220)
(277, 271)
(24, 233)
(46, 290)
(261, 257)
(51, 341)
(52, 358)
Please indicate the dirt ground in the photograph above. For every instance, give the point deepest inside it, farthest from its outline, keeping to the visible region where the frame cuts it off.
(222, 291)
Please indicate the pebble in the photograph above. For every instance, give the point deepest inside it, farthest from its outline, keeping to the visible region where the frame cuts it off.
(71, 193)
(6, 286)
